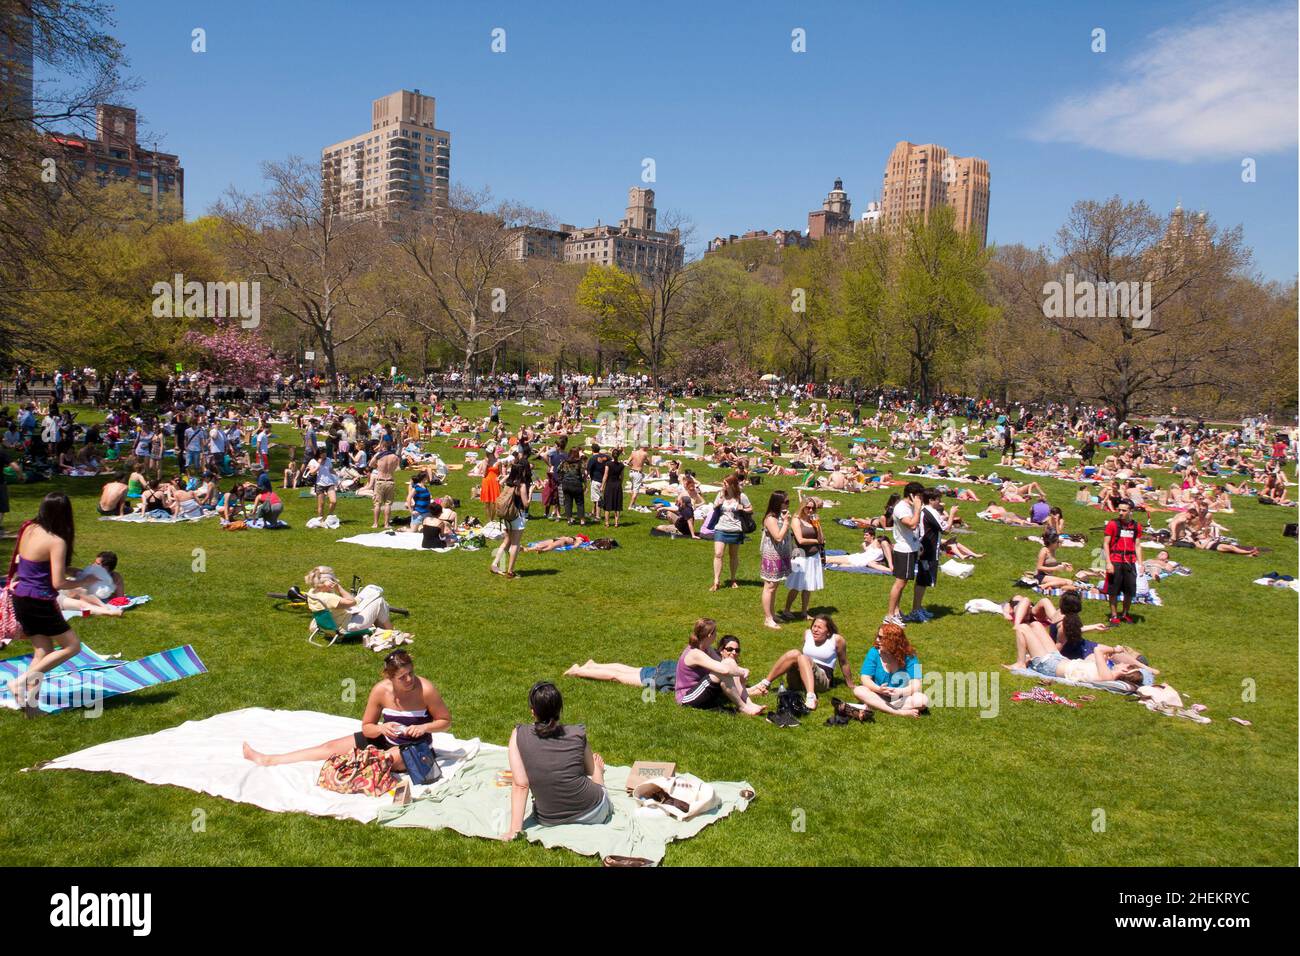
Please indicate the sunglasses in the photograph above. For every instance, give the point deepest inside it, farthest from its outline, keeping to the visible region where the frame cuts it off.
(733, 649)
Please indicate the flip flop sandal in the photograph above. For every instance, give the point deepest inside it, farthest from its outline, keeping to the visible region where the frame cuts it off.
(1087, 697)
(1240, 720)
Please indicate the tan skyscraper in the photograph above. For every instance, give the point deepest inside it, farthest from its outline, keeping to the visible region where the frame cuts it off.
(919, 178)
(403, 162)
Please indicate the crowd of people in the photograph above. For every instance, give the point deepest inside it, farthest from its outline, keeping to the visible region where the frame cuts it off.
(175, 458)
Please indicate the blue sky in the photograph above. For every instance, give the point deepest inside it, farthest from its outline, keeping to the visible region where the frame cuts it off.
(746, 133)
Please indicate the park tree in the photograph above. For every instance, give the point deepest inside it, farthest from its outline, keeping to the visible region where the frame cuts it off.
(939, 302)
(860, 334)
(311, 260)
(804, 309)
(470, 288)
(94, 301)
(67, 39)
(644, 313)
(1137, 308)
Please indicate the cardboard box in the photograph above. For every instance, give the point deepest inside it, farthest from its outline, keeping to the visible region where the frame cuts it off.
(644, 770)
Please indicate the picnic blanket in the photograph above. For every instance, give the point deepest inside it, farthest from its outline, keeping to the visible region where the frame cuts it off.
(475, 805)
(206, 756)
(919, 474)
(124, 603)
(1092, 594)
(157, 516)
(845, 567)
(1113, 686)
(88, 677)
(396, 541)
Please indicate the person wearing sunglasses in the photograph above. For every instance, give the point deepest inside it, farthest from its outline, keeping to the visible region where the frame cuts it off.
(402, 709)
(705, 675)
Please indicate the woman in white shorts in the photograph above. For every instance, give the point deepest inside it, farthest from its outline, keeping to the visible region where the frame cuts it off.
(519, 484)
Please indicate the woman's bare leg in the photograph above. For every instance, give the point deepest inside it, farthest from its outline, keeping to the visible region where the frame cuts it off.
(623, 673)
(319, 752)
(878, 703)
(718, 548)
(734, 550)
(735, 692)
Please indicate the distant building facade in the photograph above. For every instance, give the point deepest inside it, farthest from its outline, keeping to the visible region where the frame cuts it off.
(834, 216)
(783, 238)
(402, 163)
(16, 90)
(114, 155)
(634, 245)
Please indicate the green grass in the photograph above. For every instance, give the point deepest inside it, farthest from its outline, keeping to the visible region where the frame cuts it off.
(952, 789)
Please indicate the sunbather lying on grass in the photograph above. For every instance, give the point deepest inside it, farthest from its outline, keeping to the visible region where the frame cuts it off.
(1037, 650)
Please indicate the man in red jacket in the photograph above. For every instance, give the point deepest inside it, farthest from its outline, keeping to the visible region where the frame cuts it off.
(1122, 548)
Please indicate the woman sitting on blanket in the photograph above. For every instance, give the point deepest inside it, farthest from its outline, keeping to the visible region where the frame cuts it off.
(402, 709)
(554, 762)
(891, 675)
(877, 553)
(1047, 569)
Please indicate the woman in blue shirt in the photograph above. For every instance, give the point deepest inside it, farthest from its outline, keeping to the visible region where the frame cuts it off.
(891, 675)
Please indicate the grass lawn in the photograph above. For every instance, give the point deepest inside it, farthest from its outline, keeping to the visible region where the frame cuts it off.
(1020, 788)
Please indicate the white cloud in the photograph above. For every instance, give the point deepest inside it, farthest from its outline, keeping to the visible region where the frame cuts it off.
(1220, 89)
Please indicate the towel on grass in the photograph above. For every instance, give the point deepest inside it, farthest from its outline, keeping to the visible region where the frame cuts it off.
(157, 516)
(918, 474)
(1114, 686)
(124, 603)
(475, 806)
(88, 678)
(206, 756)
(397, 541)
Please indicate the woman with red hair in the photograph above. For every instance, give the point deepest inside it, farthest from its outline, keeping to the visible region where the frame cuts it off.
(891, 675)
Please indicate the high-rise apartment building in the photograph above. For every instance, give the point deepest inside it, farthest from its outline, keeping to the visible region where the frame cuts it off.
(15, 64)
(116, 156)
(834, 216)
(919, 178)
(402, 163)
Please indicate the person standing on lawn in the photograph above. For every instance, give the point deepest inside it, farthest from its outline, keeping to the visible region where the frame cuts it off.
(906, 526)
(1121, 547)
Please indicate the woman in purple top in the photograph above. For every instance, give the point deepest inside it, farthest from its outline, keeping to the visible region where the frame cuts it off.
(36, 576)
(704, 677)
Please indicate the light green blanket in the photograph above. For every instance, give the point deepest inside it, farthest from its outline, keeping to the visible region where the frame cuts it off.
(471, 803)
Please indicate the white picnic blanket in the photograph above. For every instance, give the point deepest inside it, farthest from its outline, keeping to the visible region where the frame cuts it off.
(136, 517)
(397, 541)
(206, 755)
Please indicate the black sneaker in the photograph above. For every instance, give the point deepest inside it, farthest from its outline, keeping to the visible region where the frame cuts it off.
(782, 720)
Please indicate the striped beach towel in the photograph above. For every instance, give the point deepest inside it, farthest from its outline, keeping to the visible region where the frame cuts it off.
(89, 678)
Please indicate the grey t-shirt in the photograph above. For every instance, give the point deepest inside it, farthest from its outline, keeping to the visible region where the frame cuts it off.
(557, 774)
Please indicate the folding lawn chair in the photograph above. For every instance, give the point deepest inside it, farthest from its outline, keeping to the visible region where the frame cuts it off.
(322, 625)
